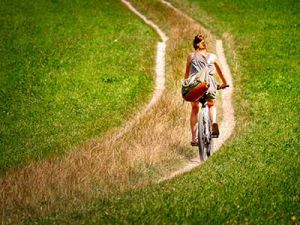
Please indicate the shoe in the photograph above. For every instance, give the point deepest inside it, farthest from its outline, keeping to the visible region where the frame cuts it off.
(194, 143)
(215, 130)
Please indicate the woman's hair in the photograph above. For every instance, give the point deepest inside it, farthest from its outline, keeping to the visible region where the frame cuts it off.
(199, 42)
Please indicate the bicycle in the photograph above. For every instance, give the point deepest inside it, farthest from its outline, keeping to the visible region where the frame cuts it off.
(205, 138)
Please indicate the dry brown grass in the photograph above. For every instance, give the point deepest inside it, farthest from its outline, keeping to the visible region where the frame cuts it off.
(157, 141)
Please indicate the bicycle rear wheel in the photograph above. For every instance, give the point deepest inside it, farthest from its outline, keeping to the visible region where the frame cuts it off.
(202, 135)
(205, 141)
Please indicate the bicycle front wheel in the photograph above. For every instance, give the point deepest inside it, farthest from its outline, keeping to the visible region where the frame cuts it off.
(209, 140)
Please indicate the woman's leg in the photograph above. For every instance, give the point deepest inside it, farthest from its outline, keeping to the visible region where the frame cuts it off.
(213, 118)
(194, 120)
(211, 100)
(213, 113)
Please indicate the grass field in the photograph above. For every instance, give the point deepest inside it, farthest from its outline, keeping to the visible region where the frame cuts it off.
(70, 70)
(254, 179)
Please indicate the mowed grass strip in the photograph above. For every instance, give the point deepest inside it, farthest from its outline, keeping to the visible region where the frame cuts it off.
(70, 70)
(254, 179)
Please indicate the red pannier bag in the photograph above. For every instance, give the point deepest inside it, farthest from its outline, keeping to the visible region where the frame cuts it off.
(196, 86)
(194, 91)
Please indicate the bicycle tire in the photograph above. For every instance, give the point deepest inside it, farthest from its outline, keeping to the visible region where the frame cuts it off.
(201, 135)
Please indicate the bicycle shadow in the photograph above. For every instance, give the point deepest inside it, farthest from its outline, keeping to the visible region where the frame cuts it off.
(189, 153)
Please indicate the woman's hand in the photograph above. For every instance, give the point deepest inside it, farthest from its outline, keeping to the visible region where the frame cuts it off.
(224, 85)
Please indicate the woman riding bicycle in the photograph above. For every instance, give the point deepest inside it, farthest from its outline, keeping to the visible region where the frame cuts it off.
(195, 62)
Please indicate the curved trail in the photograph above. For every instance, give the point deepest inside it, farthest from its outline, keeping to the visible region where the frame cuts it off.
(228, 122)
(159, 70)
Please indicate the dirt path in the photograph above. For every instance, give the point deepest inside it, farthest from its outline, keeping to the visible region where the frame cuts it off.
(159, 70)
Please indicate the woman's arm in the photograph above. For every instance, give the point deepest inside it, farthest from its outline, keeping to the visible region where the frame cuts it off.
(219, 71)
(187, 67)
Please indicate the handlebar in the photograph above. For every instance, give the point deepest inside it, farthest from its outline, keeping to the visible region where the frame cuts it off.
(219, 87)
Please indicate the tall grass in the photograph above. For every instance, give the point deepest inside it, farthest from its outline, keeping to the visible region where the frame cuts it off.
(255, 178)
(70, 71)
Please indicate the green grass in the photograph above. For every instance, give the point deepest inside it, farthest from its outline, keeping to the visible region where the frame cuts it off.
(254, 179)
(70, 70)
